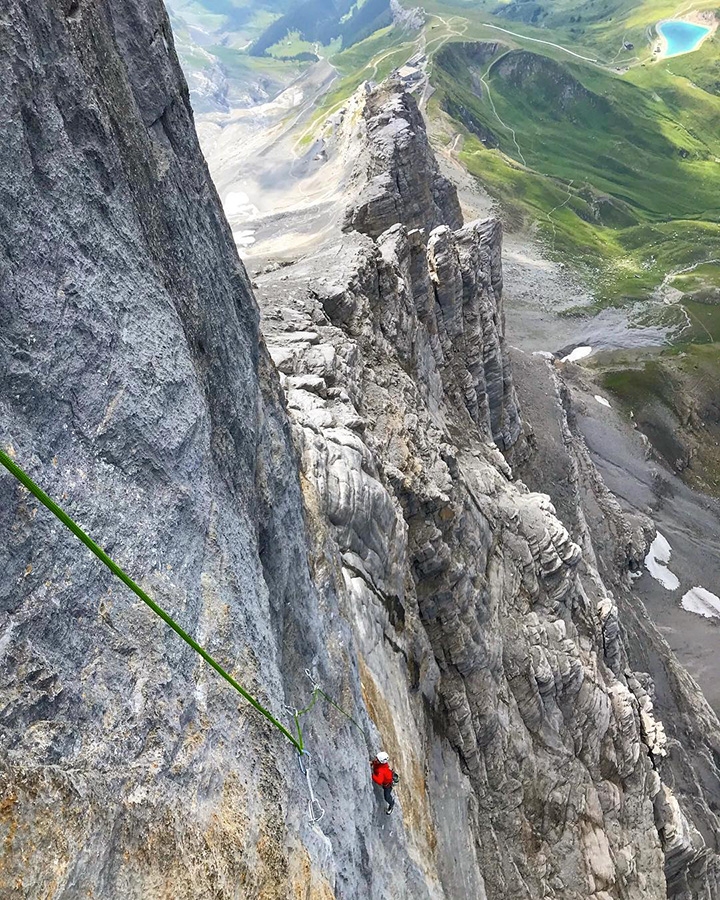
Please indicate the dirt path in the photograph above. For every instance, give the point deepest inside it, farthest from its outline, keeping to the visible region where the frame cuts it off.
(483, 79)
(608, 66)
(538, 41)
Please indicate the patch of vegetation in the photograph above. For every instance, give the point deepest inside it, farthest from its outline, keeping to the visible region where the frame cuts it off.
(227, 16)
(701, 68)
(371, 60)
(654, 151)
(619, 179)
(357, 60)
(700, 283)
(240, 68)
(640, 387)
(596, 28)
(291, 47)
(651, 393)
(674, 397)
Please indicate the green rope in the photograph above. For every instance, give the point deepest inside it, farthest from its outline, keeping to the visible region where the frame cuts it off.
(340, 710)
(57, 511)
(318, 692)
(25, 480)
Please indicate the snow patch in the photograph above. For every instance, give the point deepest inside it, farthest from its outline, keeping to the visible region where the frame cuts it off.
(244, 238)
(237, 204)
(655, 562)
(602, 401)
(578, 353)
(700, 601)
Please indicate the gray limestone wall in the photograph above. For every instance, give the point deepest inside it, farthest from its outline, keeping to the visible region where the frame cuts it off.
(135, 387)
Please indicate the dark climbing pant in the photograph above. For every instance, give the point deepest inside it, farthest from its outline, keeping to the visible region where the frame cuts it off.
(389, 799)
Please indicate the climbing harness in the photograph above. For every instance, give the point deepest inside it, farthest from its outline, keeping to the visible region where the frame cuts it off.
(297, 742)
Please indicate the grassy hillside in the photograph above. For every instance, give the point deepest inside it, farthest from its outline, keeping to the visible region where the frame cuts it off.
(596, 28)
(243, 20)
(620, 173)
(241, 52)
(372, 59)
(673, 397)
(616, 166)
(325, 21)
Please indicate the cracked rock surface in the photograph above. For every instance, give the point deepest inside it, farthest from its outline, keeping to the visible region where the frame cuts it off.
(505, 628)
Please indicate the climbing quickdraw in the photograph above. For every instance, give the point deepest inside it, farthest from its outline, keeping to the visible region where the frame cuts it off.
(319, 692)
(315, 810)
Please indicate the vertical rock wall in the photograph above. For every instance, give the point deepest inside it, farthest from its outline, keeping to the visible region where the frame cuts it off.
(134, 386)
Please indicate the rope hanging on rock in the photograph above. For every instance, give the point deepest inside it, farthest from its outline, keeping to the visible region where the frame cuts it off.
(319, 692)
(27, 482)
(69, 523)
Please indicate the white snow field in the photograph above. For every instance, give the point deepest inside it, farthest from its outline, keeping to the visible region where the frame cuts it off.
(656, 563)
(701, 601)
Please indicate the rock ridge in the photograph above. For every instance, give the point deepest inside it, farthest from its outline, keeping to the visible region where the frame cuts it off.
(500, 616)
(393, 168)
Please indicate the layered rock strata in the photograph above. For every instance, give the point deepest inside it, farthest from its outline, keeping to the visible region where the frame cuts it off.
(401, 396)
(670, 701)
(397, 175)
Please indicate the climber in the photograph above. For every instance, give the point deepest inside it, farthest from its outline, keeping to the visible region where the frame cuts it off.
(383, 775)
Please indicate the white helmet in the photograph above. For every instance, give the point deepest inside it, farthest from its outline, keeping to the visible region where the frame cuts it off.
(382, 757)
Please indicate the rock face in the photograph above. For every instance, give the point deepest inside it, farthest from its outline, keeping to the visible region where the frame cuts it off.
(399, 177)
(363, 527)
(391, 344)
(135, 387)
(670, 701)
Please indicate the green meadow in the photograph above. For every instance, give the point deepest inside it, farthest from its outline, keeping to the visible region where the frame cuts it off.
(619, 171)
(616, 165)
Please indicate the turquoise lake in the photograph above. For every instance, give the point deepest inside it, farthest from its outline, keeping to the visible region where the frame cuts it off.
(681, 37)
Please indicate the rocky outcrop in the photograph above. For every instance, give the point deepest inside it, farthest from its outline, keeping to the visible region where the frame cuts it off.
(361, 527)
(509, 638)
(470, 585)
(397, 175)
(679, 728)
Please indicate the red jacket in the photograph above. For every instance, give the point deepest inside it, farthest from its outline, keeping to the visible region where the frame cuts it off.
(382, 774)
